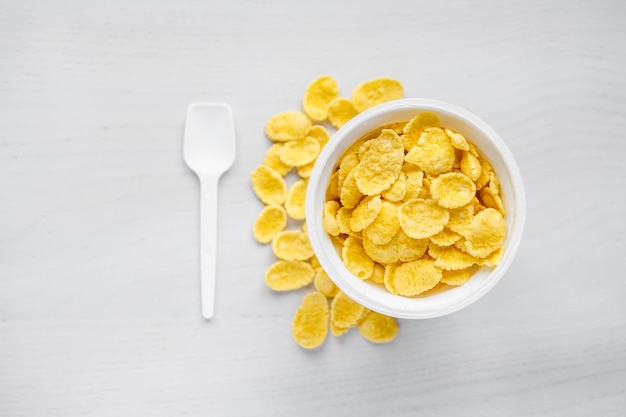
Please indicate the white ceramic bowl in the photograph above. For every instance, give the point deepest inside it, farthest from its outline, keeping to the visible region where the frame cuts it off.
(489, 144)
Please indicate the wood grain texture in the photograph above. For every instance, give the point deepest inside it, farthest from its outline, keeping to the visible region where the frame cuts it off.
(99, 273)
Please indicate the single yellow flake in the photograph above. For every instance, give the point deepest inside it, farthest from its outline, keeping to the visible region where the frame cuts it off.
(324, 284)
(269, 223)
(340, 110)
(416, 126)
(422, 218)
(292, 245)
(287, 126)
(289, 275)
(268, 185)
(380, 165)
(365, 213)
(434, 153)
(452, 190)
(413, 278)
(344, 312)
(300, 152)
(377, 91)
(310, 322)
(272, 159)
(317, 96)
(378, 328)
(295, 200)
(355, 258)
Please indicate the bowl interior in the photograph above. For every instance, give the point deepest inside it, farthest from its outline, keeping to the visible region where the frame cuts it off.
(489, 144)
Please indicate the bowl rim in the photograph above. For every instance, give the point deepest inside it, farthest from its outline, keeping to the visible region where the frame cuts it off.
(324, 250)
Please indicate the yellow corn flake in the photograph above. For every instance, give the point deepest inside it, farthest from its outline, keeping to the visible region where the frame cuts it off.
(320, 134)
(365, 213)
(337, 331)
(269, 223)
(324, 284)
(340, 110)
(378, 276)
(348, 163)
(473, 149)
(380, 164)
(470, 166)
(378, 328)
(410, 249)
(397, 191)
(460, 218)
(490, 199)
(422, 218)
(492, 259)
(450, 258)
(300, 152)
(397, 127)
(458, 277)
(445, 238)
(385, 225)
(344, 312)
(413, 181)
(452, 190)
(416, 126)
(425, 190)
(434, 153)
(413, 278)
(388, 279)
(373, 92)
(457, 140)
(350, 196)
(315, 263)
(272, 159)
(386, 253)
(295, 200)
(304, 171)
(317, 96)
(268, 185)
(485, 174)
(355, 258)
(343, 220)
(494, 183)
(289, 275)
(485, 234)
(458, 156)
(287, 126)
(332, 192)
(310, 322)
(292, 245)
(329, 219)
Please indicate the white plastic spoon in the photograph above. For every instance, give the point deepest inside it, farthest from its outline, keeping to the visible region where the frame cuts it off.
(209, 151)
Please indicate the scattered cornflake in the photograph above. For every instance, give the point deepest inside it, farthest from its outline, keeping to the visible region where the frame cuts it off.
(310, 322)
(318, 95)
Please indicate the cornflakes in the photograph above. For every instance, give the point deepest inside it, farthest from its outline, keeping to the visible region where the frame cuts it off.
(329, 219)
(458, 277)
(355, 258)
(377, 91)
(344, 312)
(295, 200)
(380, 164)
(318, 95)
(269, 223)
(385, 225)
(434, 153)
(457, 140)
(310, 322)
(413, 278)
(340, 110)
(289, 275)
(452, 190)
(292, 245)
(485, 234)
(268, 185)
(324, 284)
(422, 218)
(365, 212)
(416, 126)
(287, 126)
(300, 152)
(378, 328)
(272, 159)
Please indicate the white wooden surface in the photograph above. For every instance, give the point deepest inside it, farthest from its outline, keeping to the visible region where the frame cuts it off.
(99, 275)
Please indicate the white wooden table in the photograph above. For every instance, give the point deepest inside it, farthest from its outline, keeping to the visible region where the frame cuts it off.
(99, 273)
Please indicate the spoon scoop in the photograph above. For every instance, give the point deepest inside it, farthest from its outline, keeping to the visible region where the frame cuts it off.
(209, 151)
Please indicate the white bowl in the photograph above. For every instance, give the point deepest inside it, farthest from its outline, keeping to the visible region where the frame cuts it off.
(489, 143)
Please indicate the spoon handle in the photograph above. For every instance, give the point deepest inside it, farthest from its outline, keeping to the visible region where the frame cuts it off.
(208, 242)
